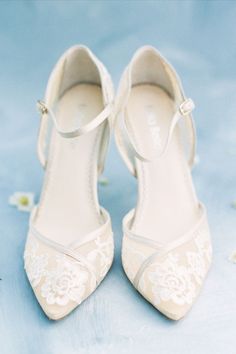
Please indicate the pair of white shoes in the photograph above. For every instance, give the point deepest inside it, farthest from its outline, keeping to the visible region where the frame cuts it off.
(166, 250)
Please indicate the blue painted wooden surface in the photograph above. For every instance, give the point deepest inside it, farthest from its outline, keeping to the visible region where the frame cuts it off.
(199, 38)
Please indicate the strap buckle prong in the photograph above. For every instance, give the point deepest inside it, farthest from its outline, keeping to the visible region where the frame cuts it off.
(41, 107)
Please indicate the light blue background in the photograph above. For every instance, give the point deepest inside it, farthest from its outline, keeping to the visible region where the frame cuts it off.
(199, 38)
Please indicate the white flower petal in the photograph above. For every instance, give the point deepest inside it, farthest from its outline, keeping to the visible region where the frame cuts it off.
(232, 257)
(24, 201)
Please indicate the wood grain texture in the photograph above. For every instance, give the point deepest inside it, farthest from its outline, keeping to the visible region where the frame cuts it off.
(199, 39)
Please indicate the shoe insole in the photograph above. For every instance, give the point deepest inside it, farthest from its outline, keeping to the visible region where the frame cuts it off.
(68, 208)
(167, 206)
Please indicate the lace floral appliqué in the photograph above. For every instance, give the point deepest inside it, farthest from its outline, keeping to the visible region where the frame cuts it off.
(64, 283)
(172, 282)
(177, 282)
(35, 263)
(103, 254)
(67, 279)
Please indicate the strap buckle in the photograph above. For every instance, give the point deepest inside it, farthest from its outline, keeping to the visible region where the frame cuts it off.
(186, 107)
(41, 107)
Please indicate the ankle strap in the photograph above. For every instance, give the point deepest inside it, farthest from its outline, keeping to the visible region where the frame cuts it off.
(47, 113)
(184, 111)
(172, 84)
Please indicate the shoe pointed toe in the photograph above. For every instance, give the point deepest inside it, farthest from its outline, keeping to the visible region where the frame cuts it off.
(61, 282)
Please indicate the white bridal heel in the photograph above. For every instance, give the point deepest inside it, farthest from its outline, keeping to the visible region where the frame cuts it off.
(69, 247)
(166, 249)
